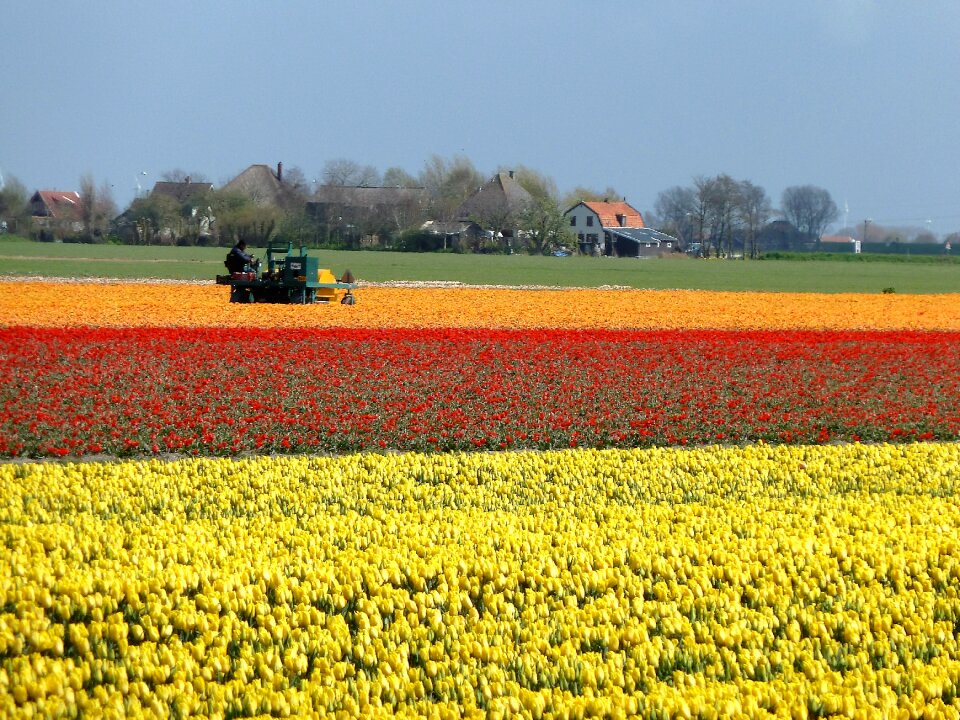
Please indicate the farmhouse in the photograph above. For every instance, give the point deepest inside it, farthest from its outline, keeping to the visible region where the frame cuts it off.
(491, 213)
(56, 212)
(367, 211)
(263, 185)
(185, 192)
(615, 229)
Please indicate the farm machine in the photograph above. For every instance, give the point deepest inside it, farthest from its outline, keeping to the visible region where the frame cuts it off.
(289, 277)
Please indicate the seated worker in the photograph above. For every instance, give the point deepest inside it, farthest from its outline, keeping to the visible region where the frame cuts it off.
(238, 258)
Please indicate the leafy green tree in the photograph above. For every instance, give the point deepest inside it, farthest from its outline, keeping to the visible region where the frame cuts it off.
(149, 217)
(448, 183)
(398, 177)
(535, 182)
(237, 217)
(13, 206)
(543, 226)
(582, 194)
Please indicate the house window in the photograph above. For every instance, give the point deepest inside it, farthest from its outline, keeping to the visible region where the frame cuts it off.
(573, 221)
(589, 220)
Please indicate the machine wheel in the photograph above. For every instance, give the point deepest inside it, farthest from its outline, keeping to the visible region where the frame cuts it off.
(348, 299)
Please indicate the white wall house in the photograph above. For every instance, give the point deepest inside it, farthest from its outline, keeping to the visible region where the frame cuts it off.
(588, 220)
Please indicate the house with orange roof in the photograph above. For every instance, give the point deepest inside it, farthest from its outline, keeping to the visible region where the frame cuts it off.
(615, 229)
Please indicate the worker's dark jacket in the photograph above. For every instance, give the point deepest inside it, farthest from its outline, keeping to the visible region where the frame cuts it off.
(237, 259)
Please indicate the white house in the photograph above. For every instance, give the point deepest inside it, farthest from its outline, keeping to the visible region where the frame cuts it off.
(617, 229)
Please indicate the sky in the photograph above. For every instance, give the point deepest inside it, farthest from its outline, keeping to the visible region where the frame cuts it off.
(859, 97)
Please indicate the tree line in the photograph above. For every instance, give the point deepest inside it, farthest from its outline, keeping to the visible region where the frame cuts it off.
(715, 216)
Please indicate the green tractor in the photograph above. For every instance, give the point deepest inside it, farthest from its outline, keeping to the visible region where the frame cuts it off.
(288, 278)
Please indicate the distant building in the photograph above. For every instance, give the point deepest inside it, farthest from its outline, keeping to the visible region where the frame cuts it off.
(779, 235)
(839, 243)
(263, 185)
(367, 211)
(172, 212)
(491, 213)
(183, 192)
(616, 229)
(56, 204)
(56, 213)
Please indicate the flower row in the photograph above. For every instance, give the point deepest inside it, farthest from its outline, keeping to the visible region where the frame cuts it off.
(75, 392)
(188, 305)
(654, 583)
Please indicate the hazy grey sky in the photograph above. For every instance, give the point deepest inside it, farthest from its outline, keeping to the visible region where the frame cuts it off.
(860, 97)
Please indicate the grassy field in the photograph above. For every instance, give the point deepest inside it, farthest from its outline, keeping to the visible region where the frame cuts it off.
(20, 257)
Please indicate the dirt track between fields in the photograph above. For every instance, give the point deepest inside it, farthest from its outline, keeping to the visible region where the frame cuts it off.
(452, 284)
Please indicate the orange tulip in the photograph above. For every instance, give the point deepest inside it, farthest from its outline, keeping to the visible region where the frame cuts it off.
(44, 304)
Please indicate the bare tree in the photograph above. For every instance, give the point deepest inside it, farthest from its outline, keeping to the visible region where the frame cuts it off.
(296, 188)
(704, 190)
(676, 208)
(97, 208)
(726, 216)
(810, 209)
(753, 207)
(348, 173)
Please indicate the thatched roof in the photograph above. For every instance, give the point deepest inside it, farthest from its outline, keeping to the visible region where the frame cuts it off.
(499, 197)
(260, 183)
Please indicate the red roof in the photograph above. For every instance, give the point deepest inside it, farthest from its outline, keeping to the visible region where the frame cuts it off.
(61, 204)
(617, 214)
(837, 239)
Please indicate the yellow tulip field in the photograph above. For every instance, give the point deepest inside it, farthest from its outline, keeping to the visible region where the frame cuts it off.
(793, 581)
(746, 579)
